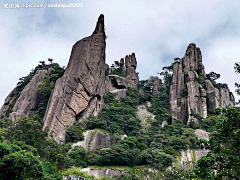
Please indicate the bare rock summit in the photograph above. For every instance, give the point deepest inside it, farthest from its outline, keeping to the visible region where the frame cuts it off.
(191, 92)
(81, 89)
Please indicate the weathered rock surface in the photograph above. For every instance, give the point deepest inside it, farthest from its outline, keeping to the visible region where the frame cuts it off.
(93, 139)
(145, 116)
(187, 93)
(227, 98)
(129, 69)
(131, 65)
(106, 172)
(80, 91)
(118, 85)
(201, 134)
(85, 143)
(100, 139)
(156, 84)
(9, 102)
(191, 156)
(119, 93)
(28, 99)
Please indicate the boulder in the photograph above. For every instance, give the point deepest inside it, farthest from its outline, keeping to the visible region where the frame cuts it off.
(81, 89)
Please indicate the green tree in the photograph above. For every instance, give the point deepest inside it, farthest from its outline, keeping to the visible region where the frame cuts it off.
(223, 160)
(78, 154)
(21, 165)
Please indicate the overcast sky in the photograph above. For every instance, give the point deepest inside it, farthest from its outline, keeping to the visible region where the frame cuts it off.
(157, 31)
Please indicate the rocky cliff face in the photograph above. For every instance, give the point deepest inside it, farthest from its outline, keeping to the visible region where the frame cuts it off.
(156, 84)
(28, 99)
(191, 156)
(93, 139)
(9, 102)
(191, 91)
(131, 65)
(80, 91)
(118, 85)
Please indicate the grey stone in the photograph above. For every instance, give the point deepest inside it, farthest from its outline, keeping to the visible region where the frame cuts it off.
(186, 72)
(28, 99)
(145, 116)
(156, 84)
(9, 101)
(93, 139)
(81, 89)
(119, 93)
(201, 134)
(106, 172)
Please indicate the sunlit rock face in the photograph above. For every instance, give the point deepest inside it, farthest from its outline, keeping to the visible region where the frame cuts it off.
(80, 91)
(191, 92)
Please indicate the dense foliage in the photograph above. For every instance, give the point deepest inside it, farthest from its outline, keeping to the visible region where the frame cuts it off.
(144, 150)
(223, 160)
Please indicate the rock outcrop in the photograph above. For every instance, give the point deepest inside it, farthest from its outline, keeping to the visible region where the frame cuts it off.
(156, 84)
(191, 156)
(117, 84)
(106, 172)
(28, 99)
(145, 116)
(131, 65)
(227, 98)
(80, 91)
(93, 139)
(9, 102)
(191, 92)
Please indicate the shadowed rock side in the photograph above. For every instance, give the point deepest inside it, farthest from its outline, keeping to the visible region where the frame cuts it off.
(187, 93)
(93, 139)
(28, 99)
(9, 101)
(118, 85)
(80, 91)
(156, 84)
(131, 65)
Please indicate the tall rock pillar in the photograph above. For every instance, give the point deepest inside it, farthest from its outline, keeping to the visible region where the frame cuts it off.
(80, 91)
(186, 94)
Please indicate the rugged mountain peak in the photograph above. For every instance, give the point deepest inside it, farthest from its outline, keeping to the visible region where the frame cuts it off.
(22, 103)
(80, 91)
(100, 28)
(191, 92)
(156, 84)
(193, 59)
(131, 65)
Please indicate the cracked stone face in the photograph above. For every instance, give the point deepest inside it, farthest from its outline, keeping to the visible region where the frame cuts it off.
(186, 74)
(80, 91)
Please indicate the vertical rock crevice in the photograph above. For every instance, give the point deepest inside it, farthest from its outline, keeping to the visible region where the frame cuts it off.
(191, 92)
(83, 82)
